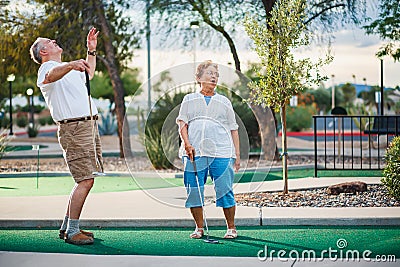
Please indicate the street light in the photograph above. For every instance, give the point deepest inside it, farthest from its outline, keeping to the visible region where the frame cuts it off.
(194, 25)
(29, 92)
(333, 91)
(10, 79)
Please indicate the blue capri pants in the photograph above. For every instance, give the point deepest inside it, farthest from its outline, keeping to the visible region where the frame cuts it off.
(222, 175)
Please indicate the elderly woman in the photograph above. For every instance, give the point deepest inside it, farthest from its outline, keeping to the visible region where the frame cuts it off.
(210, 137)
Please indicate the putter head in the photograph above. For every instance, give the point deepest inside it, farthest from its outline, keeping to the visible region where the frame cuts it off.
(211, 241)
(99, 174)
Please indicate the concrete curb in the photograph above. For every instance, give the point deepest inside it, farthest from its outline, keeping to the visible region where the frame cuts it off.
(120, 223)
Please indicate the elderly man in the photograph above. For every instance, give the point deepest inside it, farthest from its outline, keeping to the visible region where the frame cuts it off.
(63, 87)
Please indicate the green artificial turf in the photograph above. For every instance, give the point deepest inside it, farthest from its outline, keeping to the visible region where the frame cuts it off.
(383, 240)
(50, 186)
(21, 148)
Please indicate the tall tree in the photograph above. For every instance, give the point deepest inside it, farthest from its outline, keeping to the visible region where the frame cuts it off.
(68, 21)
(274, 43)
(224, 16)
(387, 26)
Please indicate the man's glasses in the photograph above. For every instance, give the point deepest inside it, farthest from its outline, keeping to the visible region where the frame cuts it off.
(216, 74)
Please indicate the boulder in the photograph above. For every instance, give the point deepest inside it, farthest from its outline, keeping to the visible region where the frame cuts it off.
(348, 187)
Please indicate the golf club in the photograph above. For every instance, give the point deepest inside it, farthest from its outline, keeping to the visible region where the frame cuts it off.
(207, 240)
(99, 166)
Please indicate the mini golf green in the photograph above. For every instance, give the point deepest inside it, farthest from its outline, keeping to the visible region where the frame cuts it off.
(21, 148)
(62, 185)
(383, 240)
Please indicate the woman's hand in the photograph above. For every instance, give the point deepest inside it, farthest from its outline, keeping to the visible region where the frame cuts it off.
(190, 151)
(236, 165)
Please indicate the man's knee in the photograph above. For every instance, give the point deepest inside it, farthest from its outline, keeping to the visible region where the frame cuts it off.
(88, 183)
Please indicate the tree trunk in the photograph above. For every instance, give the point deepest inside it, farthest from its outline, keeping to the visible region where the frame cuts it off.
(265, 126)
(284, 150)
(112, 68)
(267, 130)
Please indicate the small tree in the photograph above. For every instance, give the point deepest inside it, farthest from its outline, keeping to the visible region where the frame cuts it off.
(283, 75)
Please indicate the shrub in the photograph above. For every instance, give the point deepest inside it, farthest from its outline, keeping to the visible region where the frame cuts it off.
(4, 140)
(22, 121)
(50, 120)
(161, 148)
(33, 131)
(161, 138)
(5, 122)
(42, 121)
(391, 171)
(299, 118)
(107, 126)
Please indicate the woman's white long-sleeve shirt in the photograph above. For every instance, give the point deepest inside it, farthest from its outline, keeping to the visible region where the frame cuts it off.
(209, 126)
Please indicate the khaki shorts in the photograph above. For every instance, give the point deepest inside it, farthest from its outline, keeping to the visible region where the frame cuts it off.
(76, 140)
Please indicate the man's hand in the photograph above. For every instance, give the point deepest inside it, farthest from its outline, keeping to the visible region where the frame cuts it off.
(190, 151)
(92, 39)
(79, 65)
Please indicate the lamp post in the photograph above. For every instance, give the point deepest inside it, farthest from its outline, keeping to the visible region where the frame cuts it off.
(29, 92)
(381, 93)
(148, 34)
(194, 25)
(333, 91)
(10, 79)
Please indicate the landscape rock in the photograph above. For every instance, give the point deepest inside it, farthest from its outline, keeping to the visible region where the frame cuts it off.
(348, 187)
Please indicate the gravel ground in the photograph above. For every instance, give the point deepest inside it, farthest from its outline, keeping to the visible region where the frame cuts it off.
(375, 196)
(117, 164)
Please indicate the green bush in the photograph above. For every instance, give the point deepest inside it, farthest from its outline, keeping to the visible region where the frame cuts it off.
(161, 148)
(391, 171)
(22, 121)
(299, 118)
(5, 122)
(161, 138)
(4, 140)
(50, 120)
(108, 124)
(33, 131)
(42, 121)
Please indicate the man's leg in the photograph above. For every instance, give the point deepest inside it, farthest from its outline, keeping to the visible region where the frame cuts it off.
(78, 197)
(76, 202)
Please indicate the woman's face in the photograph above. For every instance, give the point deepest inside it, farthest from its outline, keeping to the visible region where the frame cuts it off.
(209, 77)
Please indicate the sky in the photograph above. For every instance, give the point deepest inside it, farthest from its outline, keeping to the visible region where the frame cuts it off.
(353, 51)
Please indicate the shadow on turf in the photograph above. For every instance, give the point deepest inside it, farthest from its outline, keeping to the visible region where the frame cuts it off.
(250, 241)
(98, 246)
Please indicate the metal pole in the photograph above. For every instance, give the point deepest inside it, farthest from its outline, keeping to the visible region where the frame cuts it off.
(194, 50)
(11, 118)
(32, 112)
(37, 169)
(381, 102)
(148, 54)
(333, 92)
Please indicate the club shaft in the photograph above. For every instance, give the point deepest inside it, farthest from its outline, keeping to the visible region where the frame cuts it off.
(98, 165)
(201, 199)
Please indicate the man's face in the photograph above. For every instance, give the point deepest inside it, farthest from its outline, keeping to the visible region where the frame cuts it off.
(50, 46)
